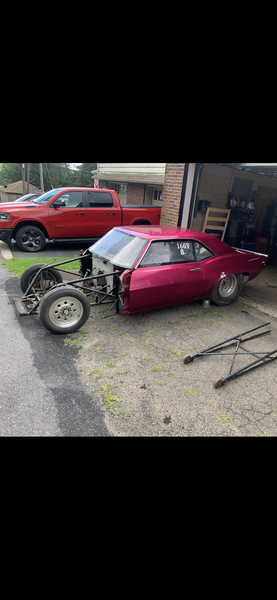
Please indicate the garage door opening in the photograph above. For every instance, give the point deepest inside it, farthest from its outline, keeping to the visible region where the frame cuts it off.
(249, 195)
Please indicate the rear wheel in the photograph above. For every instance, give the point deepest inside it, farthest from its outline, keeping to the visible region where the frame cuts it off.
(44, 281)
(226, 290)
(30, 238)
(64, 310)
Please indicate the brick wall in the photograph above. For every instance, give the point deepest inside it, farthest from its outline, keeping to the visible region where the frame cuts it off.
(173, 181)
(135, 193)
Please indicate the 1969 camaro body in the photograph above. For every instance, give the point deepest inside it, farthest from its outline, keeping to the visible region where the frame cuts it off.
(169, 265)
(139, 269)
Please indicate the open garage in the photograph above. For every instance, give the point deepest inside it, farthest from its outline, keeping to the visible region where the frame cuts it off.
(246, 196)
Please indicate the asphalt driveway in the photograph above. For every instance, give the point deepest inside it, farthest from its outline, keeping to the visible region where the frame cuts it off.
(125, 376)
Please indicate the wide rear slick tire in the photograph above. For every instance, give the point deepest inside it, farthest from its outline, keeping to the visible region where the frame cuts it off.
(64, 310)
(226, 290)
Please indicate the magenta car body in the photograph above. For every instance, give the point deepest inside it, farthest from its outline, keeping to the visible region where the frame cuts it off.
(165, 266)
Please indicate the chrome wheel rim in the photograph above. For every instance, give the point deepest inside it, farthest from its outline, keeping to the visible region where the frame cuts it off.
(227, 286)
(66, 311)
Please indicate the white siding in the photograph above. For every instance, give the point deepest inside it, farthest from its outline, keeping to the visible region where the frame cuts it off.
(132, 168)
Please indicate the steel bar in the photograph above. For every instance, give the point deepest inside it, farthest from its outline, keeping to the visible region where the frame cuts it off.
(252, 366)
(206, 350)
(235, 354)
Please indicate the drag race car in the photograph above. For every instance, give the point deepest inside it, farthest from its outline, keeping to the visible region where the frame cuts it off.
(136, 269)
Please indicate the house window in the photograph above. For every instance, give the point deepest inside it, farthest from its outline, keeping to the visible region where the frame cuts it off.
(121, 189)
(157, 196)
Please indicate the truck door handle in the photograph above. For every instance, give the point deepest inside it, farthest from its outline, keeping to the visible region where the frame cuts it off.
(111, 213)
(198, 269)
(80, 213)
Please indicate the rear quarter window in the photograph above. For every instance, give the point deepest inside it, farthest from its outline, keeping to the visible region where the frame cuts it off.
(201, 252)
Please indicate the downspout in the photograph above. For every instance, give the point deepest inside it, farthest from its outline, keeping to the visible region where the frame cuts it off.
(184, 185)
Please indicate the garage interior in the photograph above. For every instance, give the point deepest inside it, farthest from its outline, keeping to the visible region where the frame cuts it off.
(248, 194)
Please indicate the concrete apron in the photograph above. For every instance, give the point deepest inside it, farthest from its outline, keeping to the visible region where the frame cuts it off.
(261, 293)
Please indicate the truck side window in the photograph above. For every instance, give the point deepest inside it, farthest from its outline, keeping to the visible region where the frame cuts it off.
(99, 199)
(72, 199)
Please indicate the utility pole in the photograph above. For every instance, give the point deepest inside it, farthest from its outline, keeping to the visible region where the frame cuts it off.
(41, 177)
(28, 177)
(23, 178)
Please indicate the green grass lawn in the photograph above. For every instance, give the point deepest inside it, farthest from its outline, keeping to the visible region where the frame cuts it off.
(18, 265)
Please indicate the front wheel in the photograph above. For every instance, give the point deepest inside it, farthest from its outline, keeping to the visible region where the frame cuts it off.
(64, 310)
(30, 238)
(226, 290)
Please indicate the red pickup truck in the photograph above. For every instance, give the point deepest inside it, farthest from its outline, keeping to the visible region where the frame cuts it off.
(70, 214)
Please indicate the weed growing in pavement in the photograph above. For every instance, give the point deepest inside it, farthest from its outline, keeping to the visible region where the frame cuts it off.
(146, 357)
(79, 340)
(146, 343)
(113, 327)
(122, 353)
(178, 352)
(192, 392)
(224, 417)
(108, 397)
(157, 368)
(121, 371)
(110, 363)
(131, 340)
(98, 348)
(152, 331)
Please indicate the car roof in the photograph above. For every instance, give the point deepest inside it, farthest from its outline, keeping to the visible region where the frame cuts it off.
(154, 232)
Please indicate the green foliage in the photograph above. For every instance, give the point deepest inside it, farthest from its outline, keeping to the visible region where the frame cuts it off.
(18, 265)
(54, 174)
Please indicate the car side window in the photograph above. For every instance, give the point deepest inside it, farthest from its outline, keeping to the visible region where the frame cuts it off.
(72, 199)
(99, 199)
(168, 253)
(201, 252)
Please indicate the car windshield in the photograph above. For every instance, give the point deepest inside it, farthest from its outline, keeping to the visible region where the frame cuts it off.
(119, 248)
(27, 197)
(45, 197)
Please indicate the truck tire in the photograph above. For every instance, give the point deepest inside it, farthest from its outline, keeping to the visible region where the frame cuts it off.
(30, 238)
(64, 310)
(49, 278)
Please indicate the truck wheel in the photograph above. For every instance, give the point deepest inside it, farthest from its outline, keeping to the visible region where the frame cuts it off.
(64, 310)
(30, 238)
(44, 281)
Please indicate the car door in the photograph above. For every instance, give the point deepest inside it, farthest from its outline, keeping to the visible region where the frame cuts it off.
(69, 221)
(102, 215)
(167, 274)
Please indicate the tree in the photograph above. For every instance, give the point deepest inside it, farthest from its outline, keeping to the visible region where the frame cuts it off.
(54, 174)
